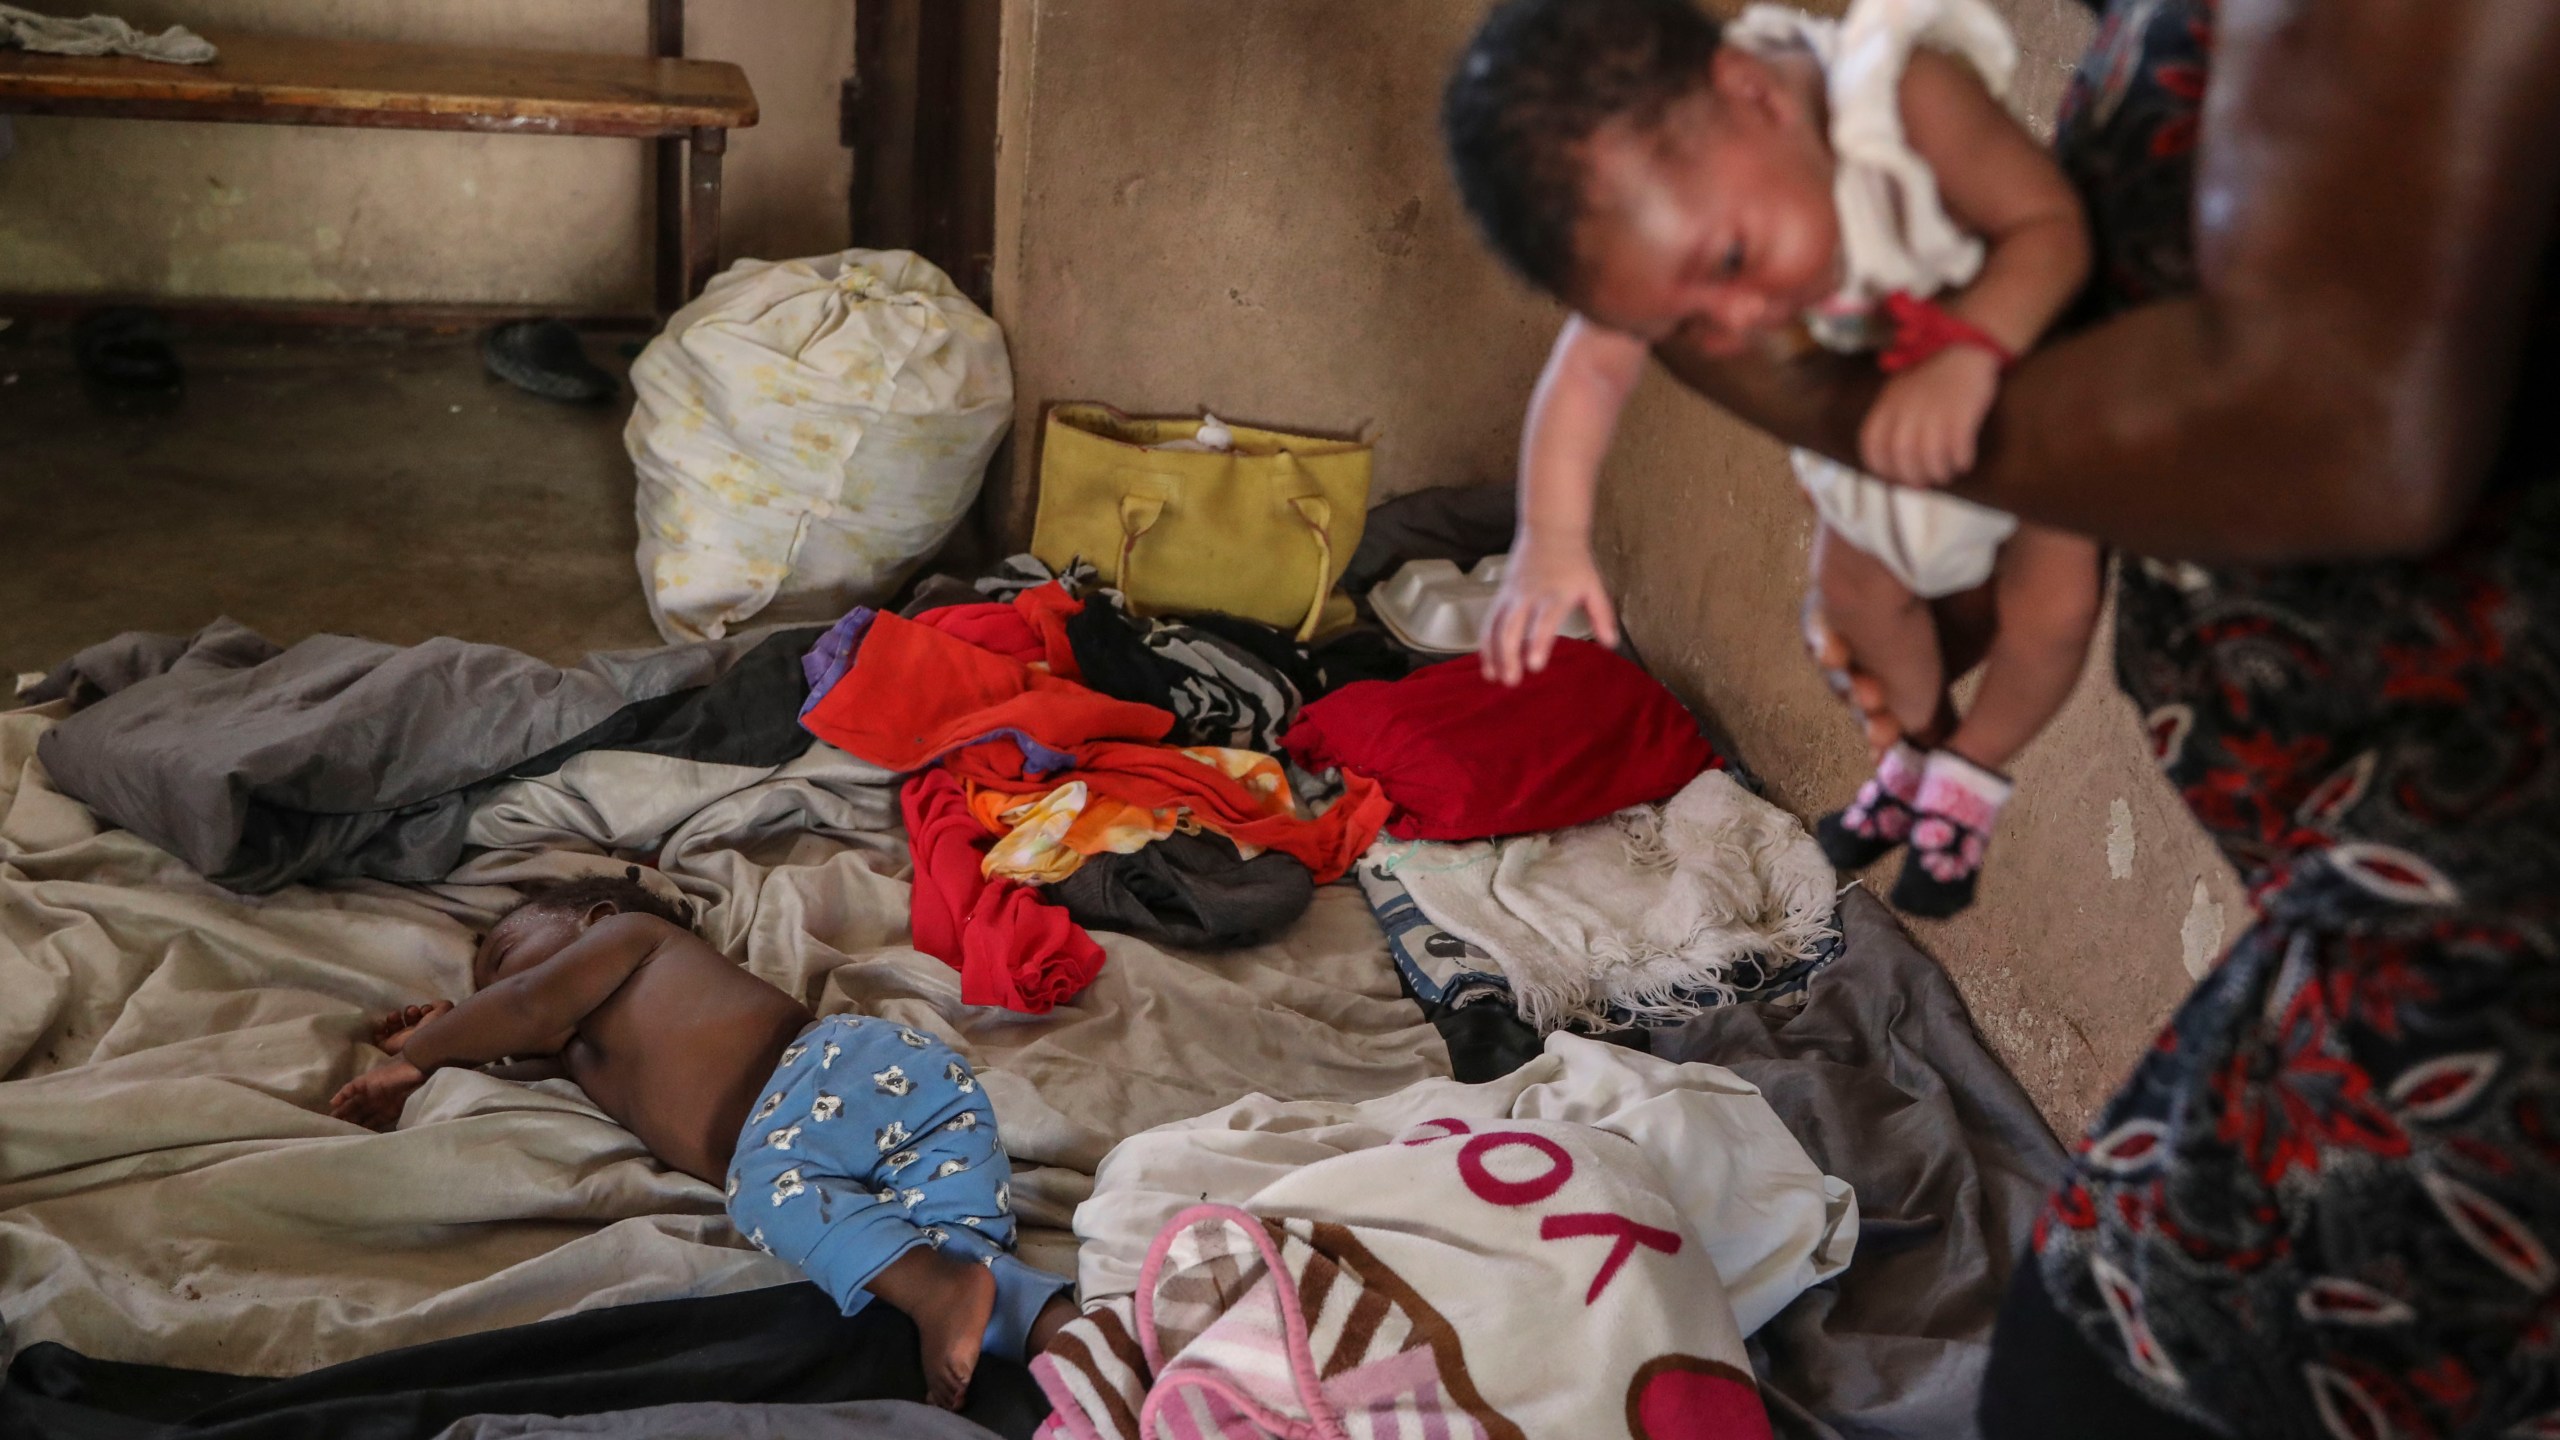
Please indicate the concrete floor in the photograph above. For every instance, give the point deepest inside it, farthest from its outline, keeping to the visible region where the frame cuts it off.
(362, 484)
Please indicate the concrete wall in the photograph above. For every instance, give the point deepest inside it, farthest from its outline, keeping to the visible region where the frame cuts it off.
(275, 213)
(1243, 207)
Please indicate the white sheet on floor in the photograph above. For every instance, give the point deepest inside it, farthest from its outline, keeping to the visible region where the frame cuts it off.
(1773, 1223)
(172, 1190)
(1638, 913)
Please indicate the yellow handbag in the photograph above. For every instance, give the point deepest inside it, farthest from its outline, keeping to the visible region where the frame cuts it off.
(1262, 531)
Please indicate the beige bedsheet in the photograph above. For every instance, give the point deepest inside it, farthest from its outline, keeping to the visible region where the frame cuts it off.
(172, 1191)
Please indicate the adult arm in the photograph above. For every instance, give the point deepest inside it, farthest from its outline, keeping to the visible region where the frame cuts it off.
(2375, 194)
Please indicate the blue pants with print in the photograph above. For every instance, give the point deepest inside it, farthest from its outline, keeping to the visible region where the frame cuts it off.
(872, 1139)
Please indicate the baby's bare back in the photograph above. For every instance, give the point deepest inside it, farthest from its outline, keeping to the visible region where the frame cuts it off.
(681, 1050)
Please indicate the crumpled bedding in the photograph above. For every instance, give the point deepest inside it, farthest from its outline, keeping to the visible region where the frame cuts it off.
(172, 1190)
(1882, 1076)
(339, 757)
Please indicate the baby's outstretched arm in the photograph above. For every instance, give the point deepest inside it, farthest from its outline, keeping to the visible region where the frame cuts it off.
(534, 1012)
(1572, 418)
(1998, 183)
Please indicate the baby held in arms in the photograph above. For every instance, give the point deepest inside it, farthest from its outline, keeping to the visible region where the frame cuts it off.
(1721, 186)
(860, 1150)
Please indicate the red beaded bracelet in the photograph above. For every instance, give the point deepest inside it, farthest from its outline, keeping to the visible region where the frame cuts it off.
(1923, 328)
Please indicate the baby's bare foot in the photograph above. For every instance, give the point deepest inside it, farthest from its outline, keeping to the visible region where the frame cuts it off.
(953, 1324)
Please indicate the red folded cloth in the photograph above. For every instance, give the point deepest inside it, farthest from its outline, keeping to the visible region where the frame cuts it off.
(1047, 609)
(994, 626)
(1031, 628)
(916, 693)
(1465, 758)
(1011, 948)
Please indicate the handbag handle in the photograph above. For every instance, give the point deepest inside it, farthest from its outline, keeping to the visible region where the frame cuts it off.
(1317, 513)
(1139, 514)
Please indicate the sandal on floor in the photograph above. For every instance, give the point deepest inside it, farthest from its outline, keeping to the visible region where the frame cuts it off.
(125, 357)
(546, 358)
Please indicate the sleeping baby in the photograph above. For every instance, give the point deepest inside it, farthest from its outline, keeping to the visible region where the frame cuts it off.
(860, 1150)
(1676, 180)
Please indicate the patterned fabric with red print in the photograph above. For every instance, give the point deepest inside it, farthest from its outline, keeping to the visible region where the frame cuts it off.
(2327, 1203)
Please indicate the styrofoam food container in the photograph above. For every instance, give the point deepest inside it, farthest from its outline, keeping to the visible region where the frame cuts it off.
(1433, 606)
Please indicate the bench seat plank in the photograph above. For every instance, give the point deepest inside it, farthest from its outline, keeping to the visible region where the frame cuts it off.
(274, 79)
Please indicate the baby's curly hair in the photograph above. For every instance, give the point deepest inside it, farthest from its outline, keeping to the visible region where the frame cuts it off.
(623, 892)
(1538, 78)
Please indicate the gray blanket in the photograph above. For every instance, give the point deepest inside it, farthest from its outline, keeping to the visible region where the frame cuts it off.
(342, 758)
(1882, 1077)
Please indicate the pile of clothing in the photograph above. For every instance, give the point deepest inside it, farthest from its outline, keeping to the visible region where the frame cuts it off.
(1575, 847)
(1071, 765)
(1075, 767)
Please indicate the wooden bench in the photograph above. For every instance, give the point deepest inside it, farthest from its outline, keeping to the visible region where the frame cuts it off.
(684, 105)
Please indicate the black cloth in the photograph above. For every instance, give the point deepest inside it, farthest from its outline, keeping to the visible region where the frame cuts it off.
(1486, 1041)
(1464, 523)
(787, 1344)
(747, 715)
(2045, 1381)
(1220, 692)
(1365, 652)
(1882, 1077)
(846, 1420)
(1193, 891)
(340, 757)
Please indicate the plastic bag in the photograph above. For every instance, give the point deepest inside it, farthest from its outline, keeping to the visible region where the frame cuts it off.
(807, 433)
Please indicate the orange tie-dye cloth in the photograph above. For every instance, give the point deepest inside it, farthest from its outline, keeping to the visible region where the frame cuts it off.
(1049, 834)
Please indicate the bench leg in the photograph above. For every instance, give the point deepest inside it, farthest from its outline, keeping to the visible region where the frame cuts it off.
(670, 249)
(702, 208)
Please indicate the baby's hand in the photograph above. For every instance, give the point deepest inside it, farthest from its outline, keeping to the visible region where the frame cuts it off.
(374, 1098)
(391, 1032)
(1923, 427)
(1540, 589)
